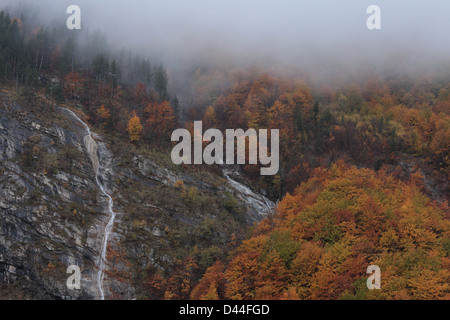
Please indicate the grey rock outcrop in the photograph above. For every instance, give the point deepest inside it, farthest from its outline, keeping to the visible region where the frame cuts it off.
(47, 221)
(53, 213)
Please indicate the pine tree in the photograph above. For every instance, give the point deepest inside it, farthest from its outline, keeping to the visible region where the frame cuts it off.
(161, 81)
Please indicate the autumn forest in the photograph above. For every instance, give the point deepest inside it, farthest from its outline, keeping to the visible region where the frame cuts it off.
(364, 162)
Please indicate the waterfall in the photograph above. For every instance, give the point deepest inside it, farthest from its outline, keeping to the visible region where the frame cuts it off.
(260, 203)
(92, 147)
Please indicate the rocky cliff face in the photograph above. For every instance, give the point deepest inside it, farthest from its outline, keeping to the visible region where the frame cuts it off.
(49, 216)
(52, 213)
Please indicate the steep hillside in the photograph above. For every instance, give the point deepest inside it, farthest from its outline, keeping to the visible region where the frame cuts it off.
(325, 235)
(53, 213)
(87, 179)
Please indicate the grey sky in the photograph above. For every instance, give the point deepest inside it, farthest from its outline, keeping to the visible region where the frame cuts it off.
(292, 30)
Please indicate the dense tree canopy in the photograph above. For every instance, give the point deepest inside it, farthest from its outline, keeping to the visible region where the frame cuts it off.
(325, 235)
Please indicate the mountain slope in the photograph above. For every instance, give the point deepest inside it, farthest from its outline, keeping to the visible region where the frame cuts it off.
(325, 235)
(53, 214)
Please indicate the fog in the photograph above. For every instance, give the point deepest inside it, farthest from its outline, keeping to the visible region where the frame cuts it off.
(320, 36)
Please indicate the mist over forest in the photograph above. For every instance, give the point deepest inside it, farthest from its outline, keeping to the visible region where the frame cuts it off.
(326, 39)
(359, 124)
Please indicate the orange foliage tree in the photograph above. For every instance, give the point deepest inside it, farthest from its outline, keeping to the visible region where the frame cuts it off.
(73, 81)
(103, 113)
(160, 119)
(212, 285)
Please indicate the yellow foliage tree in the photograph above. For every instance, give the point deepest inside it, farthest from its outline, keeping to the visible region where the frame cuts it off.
(134, 127)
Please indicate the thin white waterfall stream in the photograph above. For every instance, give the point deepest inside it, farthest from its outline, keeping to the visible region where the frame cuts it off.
(91, 147)
(256, 200)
